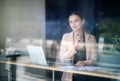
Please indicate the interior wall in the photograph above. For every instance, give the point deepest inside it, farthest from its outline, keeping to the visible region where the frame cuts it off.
(23, 22)
(2, 30)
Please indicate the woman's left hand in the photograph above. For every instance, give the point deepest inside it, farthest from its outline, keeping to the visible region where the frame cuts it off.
(80, 63)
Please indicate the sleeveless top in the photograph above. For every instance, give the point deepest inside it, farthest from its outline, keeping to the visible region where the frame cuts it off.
(81, 53)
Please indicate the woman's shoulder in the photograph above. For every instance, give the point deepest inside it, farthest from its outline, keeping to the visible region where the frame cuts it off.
(67, 35)
(90, 36)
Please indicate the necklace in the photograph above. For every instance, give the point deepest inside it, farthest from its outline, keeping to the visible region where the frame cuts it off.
(80, 40)
(77, 37)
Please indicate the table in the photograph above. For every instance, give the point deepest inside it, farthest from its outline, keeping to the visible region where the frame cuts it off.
(100, 72)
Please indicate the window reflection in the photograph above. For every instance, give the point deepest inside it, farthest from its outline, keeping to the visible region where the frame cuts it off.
(22, 23)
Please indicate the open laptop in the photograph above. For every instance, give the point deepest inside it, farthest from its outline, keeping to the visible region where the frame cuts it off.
(37, 55)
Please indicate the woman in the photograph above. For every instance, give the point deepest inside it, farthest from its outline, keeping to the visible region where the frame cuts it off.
(77, 45)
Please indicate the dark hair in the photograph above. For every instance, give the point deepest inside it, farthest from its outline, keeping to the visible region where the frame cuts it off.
(77, 13)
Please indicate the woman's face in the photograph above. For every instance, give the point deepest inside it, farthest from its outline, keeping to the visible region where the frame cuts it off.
(75, 22)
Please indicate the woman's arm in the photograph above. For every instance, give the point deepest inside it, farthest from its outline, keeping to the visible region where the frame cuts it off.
(66, 50)
(91, 52)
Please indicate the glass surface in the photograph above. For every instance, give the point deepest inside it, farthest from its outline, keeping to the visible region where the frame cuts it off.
(43, 23)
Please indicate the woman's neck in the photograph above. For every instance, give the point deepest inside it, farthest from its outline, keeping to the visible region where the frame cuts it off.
(78, 33)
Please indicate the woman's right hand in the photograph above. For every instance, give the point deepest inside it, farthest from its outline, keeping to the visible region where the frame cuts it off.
(73, 50)
(76, 46)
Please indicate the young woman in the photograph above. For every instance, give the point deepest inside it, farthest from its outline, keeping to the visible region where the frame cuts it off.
(78, 45)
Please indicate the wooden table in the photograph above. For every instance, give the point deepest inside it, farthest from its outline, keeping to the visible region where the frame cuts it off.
(100, 72)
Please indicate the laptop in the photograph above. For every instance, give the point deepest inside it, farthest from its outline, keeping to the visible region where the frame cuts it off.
(37, 55)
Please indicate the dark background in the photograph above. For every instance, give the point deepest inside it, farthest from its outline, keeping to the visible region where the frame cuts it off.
(93, 10)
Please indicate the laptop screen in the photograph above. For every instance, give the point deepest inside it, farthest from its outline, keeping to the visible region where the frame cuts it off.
(37, 55)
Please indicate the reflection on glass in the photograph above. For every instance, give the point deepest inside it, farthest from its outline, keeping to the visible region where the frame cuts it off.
(101, 43)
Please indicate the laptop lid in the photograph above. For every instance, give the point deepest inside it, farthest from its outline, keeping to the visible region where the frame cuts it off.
(36, 54)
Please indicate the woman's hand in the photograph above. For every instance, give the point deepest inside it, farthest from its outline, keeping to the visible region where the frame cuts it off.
(80, 63)
(73, 51)
(78, 45)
